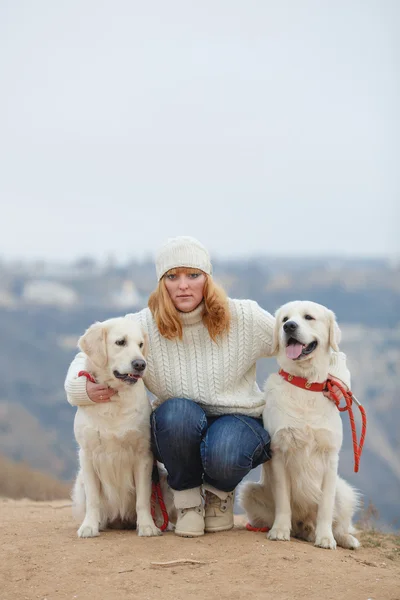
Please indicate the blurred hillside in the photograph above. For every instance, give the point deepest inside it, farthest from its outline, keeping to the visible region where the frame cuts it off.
(18, 480)
(45, 307)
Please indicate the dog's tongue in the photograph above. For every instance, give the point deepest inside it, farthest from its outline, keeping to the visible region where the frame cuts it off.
(294, 350)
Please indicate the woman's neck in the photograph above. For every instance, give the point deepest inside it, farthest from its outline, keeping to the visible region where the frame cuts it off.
(192, 317)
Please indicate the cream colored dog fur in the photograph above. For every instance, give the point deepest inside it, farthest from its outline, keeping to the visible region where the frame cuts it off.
(113, 485)
(300, 491)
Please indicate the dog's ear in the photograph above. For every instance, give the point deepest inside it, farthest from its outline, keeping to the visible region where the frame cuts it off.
(334, 332)
(94, 343)
(145, 349)
(275, 333)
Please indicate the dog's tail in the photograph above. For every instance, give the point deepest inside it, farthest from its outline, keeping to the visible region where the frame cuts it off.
(257, 501)
(79, 498)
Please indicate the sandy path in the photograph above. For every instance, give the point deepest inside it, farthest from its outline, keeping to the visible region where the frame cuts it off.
(41, 557)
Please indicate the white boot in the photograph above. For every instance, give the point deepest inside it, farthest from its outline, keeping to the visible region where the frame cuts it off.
(190, 513)
(218, 509)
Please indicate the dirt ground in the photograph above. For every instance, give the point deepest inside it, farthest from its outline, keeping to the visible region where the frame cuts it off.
(41, 557)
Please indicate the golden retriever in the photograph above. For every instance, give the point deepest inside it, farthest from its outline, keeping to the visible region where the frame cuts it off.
(300, 491)
(114, 481)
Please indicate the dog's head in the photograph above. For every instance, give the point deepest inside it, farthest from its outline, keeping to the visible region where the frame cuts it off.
(118, 348)
(304, 333)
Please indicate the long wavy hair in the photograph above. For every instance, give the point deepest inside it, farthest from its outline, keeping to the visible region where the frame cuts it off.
(216, 316)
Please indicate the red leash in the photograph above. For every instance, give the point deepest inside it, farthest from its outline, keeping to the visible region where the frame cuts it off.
(348, 397)
(251, 528)
(327, 386)
(156, 496)
(87, 375)
(156, 492)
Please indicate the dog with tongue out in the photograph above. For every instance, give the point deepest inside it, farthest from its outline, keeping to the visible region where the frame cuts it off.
(300, 492)
(295, 347)
(306, 334)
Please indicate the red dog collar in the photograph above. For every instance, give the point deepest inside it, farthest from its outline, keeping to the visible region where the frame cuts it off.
(303, 383)
(327, 386)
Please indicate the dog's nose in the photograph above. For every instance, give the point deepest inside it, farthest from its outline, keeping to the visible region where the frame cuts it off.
(138, 364)
(290, 326)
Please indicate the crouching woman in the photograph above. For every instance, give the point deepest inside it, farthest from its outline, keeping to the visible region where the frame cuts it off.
(206, 421)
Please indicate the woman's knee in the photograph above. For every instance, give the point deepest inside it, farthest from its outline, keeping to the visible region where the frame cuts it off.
(232, 449)
(224, 461)
(178, 426)
(179, 417)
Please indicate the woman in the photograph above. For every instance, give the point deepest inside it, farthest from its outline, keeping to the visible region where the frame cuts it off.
(206, 424)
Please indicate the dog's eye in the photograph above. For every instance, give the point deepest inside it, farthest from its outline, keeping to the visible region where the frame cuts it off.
(121, 342)
(141, 345)
(309, 318)
(284, 319)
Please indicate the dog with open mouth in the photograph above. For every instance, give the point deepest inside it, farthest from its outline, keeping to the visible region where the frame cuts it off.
(300, 492)
(113, 485)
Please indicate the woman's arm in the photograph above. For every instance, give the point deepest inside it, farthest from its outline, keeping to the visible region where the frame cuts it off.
(75, 386)
(80, 391)
(264, 325)
(338, 367)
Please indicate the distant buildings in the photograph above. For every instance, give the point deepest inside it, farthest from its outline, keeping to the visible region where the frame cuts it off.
(127, 296)
(49, 292)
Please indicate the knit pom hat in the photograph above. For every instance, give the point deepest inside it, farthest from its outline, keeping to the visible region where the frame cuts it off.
(182, 251)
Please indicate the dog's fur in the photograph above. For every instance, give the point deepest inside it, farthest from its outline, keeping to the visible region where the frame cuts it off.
(113, 486)
(299, 490)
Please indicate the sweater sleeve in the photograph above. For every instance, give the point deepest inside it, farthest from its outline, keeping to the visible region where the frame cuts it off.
(75, 386)
(264, 324)
(135, 316)
(338, 367)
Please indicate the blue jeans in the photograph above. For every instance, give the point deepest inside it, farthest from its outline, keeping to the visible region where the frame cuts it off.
(195, 448)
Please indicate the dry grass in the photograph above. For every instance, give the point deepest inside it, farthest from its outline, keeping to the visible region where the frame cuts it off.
(18, 480)
(372, 537)
(388, 543)
(368, 516)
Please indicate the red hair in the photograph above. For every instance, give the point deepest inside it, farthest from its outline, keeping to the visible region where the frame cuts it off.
(216, 316)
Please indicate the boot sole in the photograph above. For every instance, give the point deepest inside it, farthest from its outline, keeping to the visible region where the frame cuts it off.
(186, 534)
(216, 529)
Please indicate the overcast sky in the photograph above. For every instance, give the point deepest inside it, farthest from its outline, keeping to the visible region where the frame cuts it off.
(257, 126)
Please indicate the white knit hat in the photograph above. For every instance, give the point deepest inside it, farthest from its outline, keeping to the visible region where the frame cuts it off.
(182, 251)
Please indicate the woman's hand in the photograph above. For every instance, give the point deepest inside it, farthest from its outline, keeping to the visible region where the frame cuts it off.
(99, 393)
(335, 388)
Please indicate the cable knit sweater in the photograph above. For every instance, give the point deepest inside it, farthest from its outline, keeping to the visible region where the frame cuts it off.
(220, 376)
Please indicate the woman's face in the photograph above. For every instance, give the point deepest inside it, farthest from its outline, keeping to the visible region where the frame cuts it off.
(185, 287)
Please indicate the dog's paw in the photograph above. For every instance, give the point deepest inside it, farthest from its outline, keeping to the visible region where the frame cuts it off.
(279, 533)
(353, 543)
(148, 530)
(325, 541)
(87, 530)
(348, 541)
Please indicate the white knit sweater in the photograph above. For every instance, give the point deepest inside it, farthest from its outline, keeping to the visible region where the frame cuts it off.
(220, 376)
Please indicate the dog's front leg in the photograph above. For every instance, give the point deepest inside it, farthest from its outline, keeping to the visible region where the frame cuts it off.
(323, 534)
(90, 525)
(142, 469)
(281, 491)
